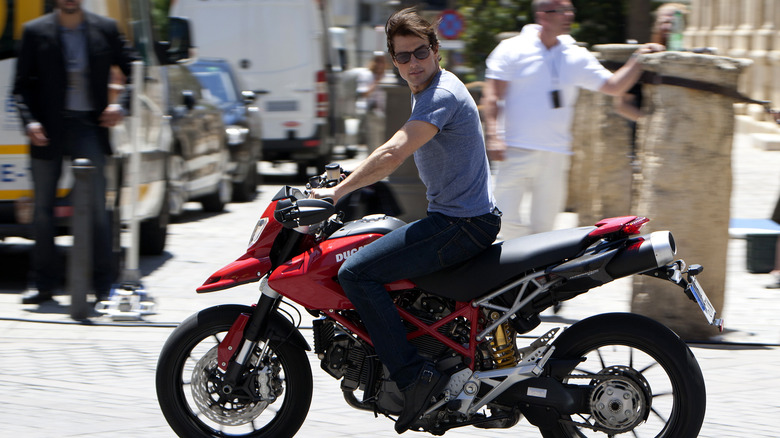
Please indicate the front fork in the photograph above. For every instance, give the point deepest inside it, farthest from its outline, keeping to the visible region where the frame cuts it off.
(246, 331)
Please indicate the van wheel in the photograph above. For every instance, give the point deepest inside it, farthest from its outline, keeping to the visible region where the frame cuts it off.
(246, 190)
(318, 164)
(303, 172)
(177, 194)
(215, 202)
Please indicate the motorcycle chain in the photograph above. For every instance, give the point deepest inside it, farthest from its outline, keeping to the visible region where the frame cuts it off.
(597, 377)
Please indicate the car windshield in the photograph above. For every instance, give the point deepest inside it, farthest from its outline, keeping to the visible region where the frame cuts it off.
(217, 84)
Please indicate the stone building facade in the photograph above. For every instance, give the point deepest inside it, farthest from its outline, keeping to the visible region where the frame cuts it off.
(744, 29)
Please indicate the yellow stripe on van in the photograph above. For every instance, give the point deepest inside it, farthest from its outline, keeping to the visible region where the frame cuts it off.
(14, 149)
(12, 195)
(15, 194)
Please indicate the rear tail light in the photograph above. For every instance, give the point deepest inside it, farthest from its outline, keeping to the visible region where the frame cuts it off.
(322, 94)
(626, 225)
(635, 225)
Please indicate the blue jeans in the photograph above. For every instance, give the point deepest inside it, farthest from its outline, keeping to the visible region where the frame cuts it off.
(422, 247)
(82, 141)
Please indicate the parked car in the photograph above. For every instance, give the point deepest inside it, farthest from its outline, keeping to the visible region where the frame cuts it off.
(199, 162)
(242, 122)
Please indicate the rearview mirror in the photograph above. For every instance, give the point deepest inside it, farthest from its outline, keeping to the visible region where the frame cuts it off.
(302, 212)
(179, 43)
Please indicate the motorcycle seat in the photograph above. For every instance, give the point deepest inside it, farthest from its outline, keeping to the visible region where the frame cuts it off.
(503, 262)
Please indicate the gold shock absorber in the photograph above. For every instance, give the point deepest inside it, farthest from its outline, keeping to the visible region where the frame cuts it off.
(503, 346)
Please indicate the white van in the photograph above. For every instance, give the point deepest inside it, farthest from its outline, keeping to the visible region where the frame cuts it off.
(280, 50)
(170, 173)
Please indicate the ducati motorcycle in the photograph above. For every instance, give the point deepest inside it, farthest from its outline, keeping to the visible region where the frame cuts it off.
(242, 370)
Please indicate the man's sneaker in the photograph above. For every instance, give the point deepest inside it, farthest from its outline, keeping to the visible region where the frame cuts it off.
(38, 297)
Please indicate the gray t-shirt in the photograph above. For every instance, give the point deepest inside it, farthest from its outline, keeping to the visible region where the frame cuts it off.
(77, 65)
(453, 165)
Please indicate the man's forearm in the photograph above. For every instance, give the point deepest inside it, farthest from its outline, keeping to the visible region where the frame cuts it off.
(625, 77)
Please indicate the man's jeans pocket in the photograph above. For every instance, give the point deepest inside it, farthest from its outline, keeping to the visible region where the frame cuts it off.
(471, 236)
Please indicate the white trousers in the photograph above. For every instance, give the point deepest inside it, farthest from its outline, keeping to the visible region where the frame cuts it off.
(541, 175)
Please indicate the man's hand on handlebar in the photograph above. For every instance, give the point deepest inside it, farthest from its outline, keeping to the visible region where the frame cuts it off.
(323, 186)
(324, 193)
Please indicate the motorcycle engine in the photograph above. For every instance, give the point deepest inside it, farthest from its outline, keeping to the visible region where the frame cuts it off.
(343, 356)
(429, 309)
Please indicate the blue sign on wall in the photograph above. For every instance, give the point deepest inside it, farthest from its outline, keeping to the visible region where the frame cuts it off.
(452, 24)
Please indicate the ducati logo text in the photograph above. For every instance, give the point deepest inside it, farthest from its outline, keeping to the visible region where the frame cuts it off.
(340, 257)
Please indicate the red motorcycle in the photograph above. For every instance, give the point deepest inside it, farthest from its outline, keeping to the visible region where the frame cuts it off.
(237, 370)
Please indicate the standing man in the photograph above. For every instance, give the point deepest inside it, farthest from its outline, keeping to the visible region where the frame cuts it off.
(61, 90)
(445, 135)
(528, 100)
(371, 101)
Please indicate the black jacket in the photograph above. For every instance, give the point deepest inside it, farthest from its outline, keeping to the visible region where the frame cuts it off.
(41, 79)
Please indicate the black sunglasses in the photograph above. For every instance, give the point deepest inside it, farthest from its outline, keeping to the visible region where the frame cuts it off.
(420, 53)
(563, 10)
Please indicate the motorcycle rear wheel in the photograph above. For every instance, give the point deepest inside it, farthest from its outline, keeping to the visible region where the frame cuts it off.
(186, 391)
(658, 378)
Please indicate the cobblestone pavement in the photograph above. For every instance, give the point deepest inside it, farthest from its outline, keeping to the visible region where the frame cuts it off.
(59, 378)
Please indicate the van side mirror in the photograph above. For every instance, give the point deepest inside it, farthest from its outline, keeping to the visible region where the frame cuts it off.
(179, 43)
(188, 99)
(248, 96)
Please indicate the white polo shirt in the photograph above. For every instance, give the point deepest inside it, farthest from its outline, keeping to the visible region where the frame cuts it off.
(527, 118)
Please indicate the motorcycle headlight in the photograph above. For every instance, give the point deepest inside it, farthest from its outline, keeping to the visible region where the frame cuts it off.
(236, 134)
(259, 227)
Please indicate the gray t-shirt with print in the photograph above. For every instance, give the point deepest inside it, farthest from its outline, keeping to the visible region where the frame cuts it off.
(453, 165)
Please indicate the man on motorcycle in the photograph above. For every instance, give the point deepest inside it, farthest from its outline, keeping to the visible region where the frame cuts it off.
(444, 134)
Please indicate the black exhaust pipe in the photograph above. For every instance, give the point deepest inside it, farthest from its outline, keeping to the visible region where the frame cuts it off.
(648, 253)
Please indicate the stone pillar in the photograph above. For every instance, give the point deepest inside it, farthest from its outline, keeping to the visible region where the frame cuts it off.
(774, 54)
(600, 180)
(699, 32)
(743, 35)
(685, 184)
(725, 26)
(584, 133)
(695, 29)
(758, 49)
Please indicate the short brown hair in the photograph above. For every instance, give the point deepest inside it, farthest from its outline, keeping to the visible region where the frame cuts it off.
(407, 22)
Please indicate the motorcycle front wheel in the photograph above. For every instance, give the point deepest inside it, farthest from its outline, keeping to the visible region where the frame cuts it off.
(188, 381)
(645, 380)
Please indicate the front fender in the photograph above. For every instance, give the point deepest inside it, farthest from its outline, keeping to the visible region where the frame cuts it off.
(282, 330)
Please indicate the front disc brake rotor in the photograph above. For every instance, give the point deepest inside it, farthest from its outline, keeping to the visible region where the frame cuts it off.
(620, 404)
(225, 411)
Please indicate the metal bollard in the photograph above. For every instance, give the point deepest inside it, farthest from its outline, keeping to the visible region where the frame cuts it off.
(80, 260)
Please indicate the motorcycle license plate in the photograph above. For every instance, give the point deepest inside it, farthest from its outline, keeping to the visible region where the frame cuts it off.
(704, 302)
